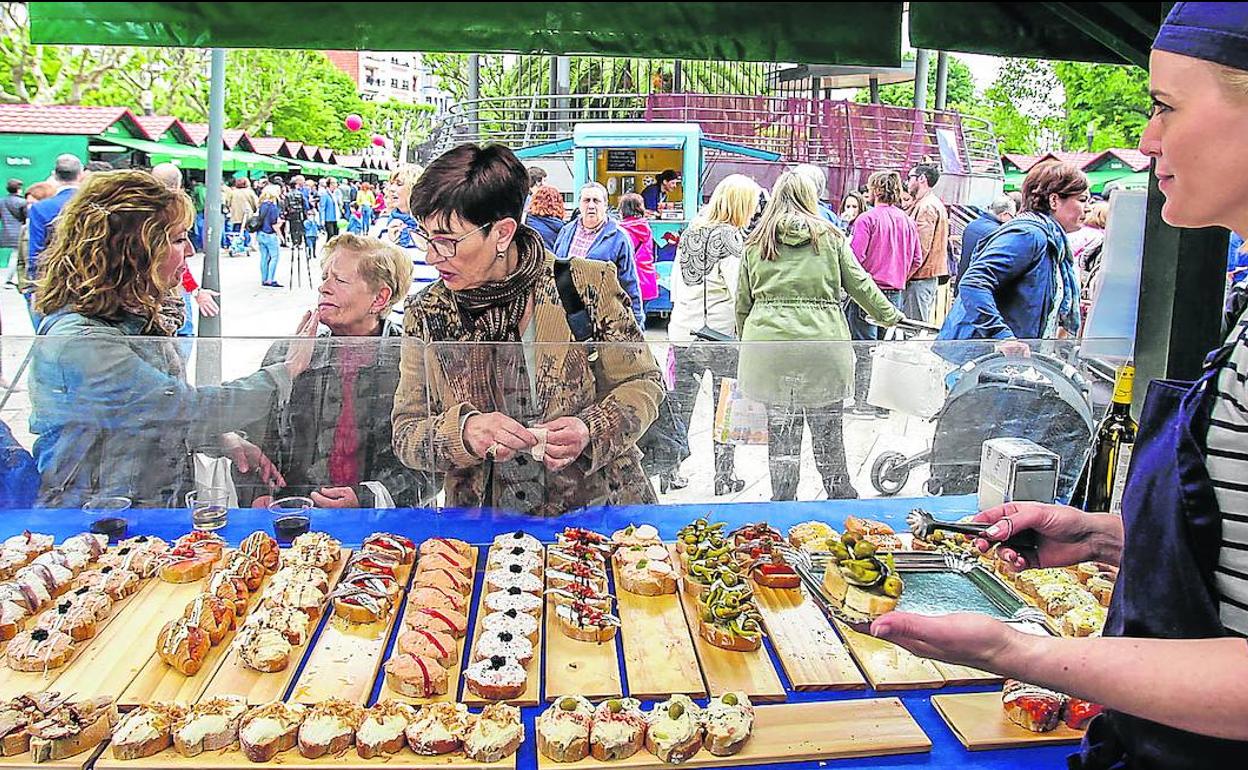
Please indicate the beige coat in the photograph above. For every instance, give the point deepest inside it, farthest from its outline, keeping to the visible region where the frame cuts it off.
(617, 397)
(932, 220)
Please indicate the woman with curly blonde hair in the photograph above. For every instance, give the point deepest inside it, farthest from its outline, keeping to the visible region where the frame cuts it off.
(113, 412)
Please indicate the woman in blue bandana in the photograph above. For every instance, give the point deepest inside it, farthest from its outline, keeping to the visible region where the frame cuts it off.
(1172, 666)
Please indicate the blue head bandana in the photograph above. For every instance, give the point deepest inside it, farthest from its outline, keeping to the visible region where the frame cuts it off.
(1215, 32)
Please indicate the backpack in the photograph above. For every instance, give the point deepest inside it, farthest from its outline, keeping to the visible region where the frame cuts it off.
(665, 444)
(253, 223)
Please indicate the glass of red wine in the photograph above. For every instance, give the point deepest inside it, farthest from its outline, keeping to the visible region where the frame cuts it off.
(108, 516)
(292, 517)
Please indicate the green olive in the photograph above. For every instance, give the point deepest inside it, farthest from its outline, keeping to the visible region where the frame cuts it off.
(848, 539)
(840, 552)
(568, 704)
(730, 699)
(691, 539)
(676, 711)
(864, 549)
(936, 537)
(614, 706)
(892, 586)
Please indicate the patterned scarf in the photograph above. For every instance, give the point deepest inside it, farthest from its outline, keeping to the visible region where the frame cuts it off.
(492, 312)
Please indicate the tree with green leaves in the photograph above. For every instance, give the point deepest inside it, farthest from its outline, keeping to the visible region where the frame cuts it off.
(959, 89)
(1111, 99)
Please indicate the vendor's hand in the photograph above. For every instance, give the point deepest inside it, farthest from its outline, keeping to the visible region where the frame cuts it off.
(249, 458)
(208, 307)
(1066, 535)
(497, 437)
(299, 354)
(566, 440)
(336, 497)
(962, 638)
(262, 502)
(1014, 349)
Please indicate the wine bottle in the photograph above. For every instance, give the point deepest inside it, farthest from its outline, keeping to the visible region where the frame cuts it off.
(1111, 448)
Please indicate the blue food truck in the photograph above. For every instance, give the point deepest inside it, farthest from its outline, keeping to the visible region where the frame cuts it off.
(628, 157)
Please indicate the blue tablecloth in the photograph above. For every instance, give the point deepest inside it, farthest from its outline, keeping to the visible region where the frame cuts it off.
(352, 526)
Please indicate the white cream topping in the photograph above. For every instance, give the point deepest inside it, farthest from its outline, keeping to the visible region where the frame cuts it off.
(199, 727)
(501, 601)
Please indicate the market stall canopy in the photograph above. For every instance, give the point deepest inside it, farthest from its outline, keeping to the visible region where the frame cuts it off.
(183, 155)
(866, 34)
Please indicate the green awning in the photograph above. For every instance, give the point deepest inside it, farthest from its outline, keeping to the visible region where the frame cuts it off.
(239, 160)
(814, 33)
(1014, 180)
(326, 169)
(162, 152)
(1099, 178)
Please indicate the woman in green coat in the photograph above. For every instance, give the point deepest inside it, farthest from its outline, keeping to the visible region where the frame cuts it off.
(790, 285)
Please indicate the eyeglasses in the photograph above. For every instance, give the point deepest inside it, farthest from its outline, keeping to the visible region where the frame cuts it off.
(442, 247)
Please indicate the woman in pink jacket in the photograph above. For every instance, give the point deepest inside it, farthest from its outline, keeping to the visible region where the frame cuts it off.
(634, 222)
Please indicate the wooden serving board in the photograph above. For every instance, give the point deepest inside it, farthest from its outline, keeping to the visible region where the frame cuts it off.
(292, 760)
(802, 732)
(533, 685)
(729, 670)
(233, 677)
(15, 683)
(980, 723)
(25, 762)
(452, 674)
(160, 682)
(659, 657)
(813, 656)
(345, 657)
(959, 675)
(887, 666)
(574, 667)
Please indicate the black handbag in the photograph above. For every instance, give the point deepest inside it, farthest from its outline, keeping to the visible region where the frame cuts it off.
(665, 444)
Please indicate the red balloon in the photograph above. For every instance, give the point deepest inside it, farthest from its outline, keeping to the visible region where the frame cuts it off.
(354, 122)
(379, 140)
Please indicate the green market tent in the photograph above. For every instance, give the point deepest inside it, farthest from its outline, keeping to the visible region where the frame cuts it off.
(183, 155)
(325, 169)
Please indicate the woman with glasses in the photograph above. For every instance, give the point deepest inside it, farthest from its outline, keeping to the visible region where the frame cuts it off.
(113, 413)
(499, 398)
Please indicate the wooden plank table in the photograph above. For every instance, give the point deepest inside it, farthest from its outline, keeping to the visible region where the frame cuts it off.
(533, 685)
(233, 677)
(730, 670)
(575, 667)
(887, 666)
(15, 683)
(659, 656)
(813, 656)
(345, 658)
(292, 760)
(802, 732)
(980, 723)
(453, 674)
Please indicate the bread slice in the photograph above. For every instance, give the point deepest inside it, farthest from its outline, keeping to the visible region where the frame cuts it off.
(210, 726)
(86, 738)
(674, 732)
(619, 730)
(381, 733)
(563, 729)
(495, 733)
(726, 640)
(329, 728)
(145, 732)
(269, 730)
(728, 722)
(439, 729)
(16, 742)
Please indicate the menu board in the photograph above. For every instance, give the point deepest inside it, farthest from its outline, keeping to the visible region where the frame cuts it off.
(621, 160)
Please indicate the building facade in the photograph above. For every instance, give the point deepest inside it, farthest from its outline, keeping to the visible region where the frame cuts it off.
(384, 75)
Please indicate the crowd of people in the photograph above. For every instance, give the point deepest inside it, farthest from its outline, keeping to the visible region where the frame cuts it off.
(786, 266)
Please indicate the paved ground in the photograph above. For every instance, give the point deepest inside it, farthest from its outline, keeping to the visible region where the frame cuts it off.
(252, 311)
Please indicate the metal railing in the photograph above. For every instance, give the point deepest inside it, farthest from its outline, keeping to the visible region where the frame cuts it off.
(823, 131)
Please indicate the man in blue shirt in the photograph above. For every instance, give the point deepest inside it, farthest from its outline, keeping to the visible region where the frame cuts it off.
(68, 175)
(1001, 211)
(656, 193)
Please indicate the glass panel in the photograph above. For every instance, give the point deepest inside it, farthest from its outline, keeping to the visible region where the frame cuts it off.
(805, 424)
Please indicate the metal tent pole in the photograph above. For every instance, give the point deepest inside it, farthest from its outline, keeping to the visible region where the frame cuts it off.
(208, 360)
(920, 79)
(942, 79)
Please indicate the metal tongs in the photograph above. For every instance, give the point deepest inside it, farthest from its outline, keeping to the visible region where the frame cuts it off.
(923, 524)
